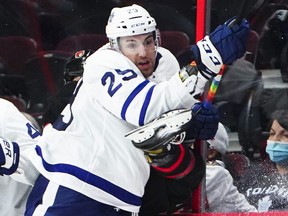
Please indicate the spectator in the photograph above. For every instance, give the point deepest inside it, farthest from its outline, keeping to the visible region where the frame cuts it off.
(15, 189)
(265, 184)
(222, 194)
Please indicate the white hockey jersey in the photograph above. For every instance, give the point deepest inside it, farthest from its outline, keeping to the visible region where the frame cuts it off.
(86, 149)
(15, 127)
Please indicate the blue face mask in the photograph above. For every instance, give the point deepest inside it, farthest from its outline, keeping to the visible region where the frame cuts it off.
(278, 152)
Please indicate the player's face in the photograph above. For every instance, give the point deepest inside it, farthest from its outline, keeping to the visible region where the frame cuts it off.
(141, 50)
(278, 133)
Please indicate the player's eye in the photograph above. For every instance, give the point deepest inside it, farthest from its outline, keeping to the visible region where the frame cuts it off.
(149, 41)
(132, 45)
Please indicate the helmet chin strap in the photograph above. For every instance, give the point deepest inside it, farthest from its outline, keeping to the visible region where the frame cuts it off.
(114, 44)
(157, 38)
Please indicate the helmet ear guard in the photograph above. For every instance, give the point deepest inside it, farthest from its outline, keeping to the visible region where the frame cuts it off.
(114, 43)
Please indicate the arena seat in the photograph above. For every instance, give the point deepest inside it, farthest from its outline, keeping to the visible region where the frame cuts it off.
(3, 66)
(43, 73)
(236, 164)
(175, 41)
(82, 41)
(252, 46)
(15, 50)
(18, 102)
(13, 85)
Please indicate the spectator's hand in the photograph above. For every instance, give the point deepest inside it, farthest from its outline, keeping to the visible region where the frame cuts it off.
(204, 123)
(9, 157)
(224, 45)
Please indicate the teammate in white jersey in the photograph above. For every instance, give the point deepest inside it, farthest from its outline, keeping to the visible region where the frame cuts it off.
(87, 165)
(15, 126)
(15, 188)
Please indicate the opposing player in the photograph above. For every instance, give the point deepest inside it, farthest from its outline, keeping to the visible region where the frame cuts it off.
(72, 74)
(127, 83)
(15, 188)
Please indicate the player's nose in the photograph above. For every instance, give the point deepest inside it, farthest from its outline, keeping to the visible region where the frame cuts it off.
(142, 51)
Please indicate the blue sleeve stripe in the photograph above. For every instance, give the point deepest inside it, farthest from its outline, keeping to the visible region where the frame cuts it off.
(92, 179)
(145, 106)
(131, 97)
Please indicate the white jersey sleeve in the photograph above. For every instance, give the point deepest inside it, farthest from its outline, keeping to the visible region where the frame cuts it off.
(120, 87)
(17, 128)
(13, 196)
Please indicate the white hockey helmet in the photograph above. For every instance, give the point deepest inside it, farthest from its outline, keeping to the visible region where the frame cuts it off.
(129, 21)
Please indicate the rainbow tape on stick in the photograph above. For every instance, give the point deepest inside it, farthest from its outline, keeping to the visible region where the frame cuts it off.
(214, 86)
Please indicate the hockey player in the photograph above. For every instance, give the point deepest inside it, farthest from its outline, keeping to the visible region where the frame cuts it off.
(72, 73)
(24, 133)
(15, 188)
(87, 165)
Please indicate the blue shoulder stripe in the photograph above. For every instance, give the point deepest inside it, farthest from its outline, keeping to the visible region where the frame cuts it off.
(145, 106)
(131, 97)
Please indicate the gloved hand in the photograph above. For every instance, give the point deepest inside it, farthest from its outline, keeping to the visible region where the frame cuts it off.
(9, 157)
(204, 123)
(230, 40)
(224, 45)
